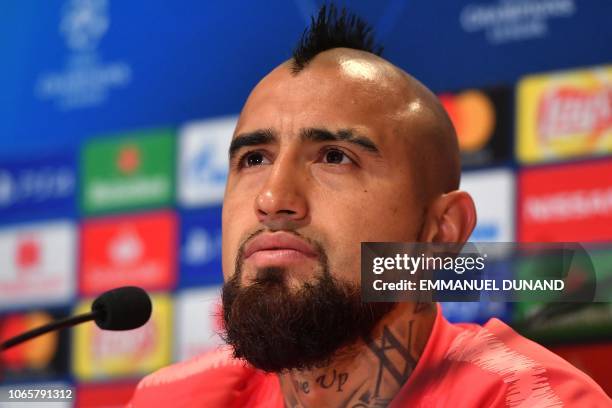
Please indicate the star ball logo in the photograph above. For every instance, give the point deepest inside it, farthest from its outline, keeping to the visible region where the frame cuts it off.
(84, 23)
(86, 79)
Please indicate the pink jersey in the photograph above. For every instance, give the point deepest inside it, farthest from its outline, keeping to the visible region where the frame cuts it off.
(463, 365)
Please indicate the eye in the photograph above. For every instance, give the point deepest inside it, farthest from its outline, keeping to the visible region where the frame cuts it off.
(335, 156)
(253, 159)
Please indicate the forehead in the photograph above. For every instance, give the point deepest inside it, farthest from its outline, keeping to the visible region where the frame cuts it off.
(340, 93)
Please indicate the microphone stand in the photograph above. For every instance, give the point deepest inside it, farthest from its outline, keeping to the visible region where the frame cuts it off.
(56, 325)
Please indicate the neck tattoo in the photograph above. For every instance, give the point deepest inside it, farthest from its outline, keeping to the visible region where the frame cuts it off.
(375, 371)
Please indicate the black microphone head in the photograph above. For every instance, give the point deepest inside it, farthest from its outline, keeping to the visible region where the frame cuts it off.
(123, 308)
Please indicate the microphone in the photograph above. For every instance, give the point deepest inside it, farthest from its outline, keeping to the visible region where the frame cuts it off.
(124, 308)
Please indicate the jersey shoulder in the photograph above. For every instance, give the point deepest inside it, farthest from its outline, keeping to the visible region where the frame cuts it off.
(526, 373)
(213, 379)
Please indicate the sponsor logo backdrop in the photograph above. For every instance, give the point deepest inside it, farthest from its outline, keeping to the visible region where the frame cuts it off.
(113, 158)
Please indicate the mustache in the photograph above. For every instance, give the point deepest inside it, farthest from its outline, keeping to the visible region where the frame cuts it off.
(239, 261)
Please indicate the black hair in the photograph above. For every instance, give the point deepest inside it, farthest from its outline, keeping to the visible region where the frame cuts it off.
(333, 30)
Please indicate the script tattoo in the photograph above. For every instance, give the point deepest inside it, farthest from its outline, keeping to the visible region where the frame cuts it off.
(337, 378)
(389, 342)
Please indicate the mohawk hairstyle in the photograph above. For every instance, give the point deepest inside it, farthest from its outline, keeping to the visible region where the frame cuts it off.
(331, 30)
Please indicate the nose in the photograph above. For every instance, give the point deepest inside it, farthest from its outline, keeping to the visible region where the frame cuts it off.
(281, 202)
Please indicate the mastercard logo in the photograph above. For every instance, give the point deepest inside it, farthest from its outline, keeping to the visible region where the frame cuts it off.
(473, 116)
(34, 354)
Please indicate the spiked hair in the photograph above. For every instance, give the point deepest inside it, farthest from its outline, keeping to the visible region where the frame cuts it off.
(330, 30)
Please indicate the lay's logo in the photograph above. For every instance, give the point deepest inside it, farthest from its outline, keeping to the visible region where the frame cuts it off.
(566, 111)
(106, 354)
(565, 115)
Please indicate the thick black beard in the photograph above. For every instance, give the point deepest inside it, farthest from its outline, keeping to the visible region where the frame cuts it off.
(276, 329)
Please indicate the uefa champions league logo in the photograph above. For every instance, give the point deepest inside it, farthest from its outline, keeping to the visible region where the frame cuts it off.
(86, 80)
(84, 23)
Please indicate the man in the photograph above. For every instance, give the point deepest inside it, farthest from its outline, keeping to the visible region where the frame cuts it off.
(335, 147)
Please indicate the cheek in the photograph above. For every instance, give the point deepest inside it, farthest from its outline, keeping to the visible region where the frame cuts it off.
(344, 227)
(367, 216)
(239, 216)
(226, 247)
(233, 224)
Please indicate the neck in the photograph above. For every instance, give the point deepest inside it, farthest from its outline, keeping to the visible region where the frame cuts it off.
(371, 372)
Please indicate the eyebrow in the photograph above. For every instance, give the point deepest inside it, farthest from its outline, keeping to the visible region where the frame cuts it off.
(267, 136)
(342, 135)
(258, 137)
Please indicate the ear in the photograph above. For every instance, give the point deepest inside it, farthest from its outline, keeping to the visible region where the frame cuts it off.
(451, 217)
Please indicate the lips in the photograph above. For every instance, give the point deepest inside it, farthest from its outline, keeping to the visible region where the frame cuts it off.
(278, 242)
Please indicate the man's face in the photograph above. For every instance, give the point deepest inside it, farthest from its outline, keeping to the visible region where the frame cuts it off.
(319, 163)
(334, 193)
